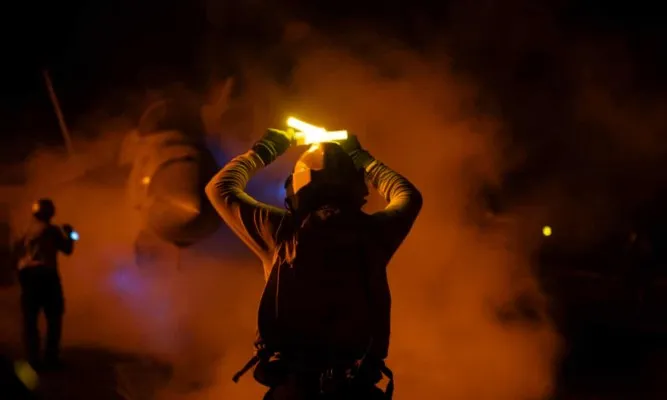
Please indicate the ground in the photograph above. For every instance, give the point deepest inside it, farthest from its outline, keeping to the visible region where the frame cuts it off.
(90, 373)
(604, 359)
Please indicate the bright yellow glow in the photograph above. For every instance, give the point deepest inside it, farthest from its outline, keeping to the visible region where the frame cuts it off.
(546, 231)
(146, 180)
(320, 136)
(302, 126)
(309, 134)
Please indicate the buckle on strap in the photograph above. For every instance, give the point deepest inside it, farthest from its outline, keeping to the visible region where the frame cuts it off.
(330, 378)
(251, 363)
(389, 392)
(260, 354)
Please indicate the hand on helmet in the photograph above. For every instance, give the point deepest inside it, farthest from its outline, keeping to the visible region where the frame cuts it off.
(277, 133)
(351, 144)
(352, 147)
(273, 144)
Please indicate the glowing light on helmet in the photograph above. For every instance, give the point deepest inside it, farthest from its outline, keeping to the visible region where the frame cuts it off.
(310, 134)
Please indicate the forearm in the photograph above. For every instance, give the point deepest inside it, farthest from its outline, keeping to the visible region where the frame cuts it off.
(252, 221)
(403, 197)
(405, 203)
(229, 183)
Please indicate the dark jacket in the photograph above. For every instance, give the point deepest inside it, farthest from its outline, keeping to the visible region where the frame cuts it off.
(258, 224)
(40, 244)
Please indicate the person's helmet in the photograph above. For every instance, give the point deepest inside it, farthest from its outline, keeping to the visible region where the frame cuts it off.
(325, 175)
(44, 209)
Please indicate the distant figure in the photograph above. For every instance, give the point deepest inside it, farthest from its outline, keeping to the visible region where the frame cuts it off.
(324, 316)
(41, 288)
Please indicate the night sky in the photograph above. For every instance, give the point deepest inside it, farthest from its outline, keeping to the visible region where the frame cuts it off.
(522, 55)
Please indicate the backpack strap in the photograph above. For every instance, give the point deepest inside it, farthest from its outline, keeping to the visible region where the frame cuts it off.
(251, 363)
(382, 366)
(262, 353)
(389, 392)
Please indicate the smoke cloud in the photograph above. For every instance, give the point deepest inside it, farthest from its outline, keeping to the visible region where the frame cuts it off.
(457, 330)
(469, 318)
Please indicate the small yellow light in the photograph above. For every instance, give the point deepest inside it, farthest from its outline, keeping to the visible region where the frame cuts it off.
(146, 180)
(546, 231)
(26, 374)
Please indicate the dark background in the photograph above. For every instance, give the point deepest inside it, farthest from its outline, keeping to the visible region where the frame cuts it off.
(95, 50)
(526, 57)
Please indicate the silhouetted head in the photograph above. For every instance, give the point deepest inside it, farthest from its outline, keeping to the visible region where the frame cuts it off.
(44, 209)
(325, 175)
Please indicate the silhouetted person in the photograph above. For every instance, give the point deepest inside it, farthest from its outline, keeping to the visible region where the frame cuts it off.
(324, 317)
(41, 288)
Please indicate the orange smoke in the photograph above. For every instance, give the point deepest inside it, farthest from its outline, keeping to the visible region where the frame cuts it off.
(450, 280)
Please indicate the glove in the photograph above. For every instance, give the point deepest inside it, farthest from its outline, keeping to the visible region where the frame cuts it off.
(278, 135)
(352, 147)
(67, 228)
(273, 144)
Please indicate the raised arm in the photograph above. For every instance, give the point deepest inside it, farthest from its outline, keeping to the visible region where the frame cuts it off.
(403, 198)
(252, 221)
(405, 201)
(63, 238)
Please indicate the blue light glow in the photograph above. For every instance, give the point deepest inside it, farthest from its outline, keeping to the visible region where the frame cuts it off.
(267, 191)
(74, 236)
(127, 281)
(281, 192)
